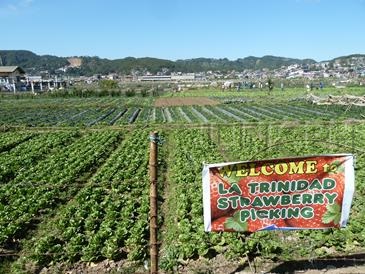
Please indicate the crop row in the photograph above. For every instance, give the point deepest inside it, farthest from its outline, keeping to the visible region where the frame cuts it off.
(108, 218)
(117, 115)
(39, 188)
(184, 235)
(9, 140)
(71, 103)
(26, 154)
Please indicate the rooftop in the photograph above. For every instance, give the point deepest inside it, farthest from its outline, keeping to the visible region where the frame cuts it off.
(9, 69)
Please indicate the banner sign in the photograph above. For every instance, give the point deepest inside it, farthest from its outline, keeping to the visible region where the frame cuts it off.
(313, 192)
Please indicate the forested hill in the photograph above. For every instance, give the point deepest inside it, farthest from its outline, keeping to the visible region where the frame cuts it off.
(33, 63)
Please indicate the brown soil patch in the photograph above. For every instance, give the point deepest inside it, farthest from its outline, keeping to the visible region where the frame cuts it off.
(75, 62)
(218, 265)
(184, 101)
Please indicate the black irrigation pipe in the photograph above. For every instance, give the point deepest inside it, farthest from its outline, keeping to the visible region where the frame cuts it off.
(102, 117)
(134, 116)
(120, 114)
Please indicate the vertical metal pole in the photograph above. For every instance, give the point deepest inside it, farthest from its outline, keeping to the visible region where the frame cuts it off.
(13, 85)
(153, 202)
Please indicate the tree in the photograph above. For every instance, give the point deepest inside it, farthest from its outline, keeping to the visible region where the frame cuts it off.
(270, 85)
(108, 84)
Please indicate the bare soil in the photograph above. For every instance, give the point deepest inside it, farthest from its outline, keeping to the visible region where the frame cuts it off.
(184, 101)
(75, 62)
(219, 265)
(353, 264)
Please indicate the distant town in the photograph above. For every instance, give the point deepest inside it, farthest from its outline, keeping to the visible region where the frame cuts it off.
(338, 73)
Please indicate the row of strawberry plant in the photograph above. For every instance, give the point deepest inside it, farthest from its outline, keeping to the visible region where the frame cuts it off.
(108, 218)
(11, 139)
(125, 119)
(242, 115)
(58, 104)
(237, 113)
(29, 116)
(28, 153)
(275, 141)
(224, 114)
(87, 118)
(175, 116)
(193, 116)
(183, 236)
(209, 114)
(250, 113)
(39, 188)
(144, 115)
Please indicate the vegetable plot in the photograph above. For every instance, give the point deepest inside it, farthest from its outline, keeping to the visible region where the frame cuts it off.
(110, 111)
(39, 189)
(87, 199)
(26, 154)
(9, 140)
(108, 218)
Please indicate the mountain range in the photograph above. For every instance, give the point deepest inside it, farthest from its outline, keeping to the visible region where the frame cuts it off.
(85, 65)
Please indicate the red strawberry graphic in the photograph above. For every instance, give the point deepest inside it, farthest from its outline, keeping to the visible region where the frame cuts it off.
(258, 224)
(254, 225)
(324, 216)
(220, 224)
(335, 170)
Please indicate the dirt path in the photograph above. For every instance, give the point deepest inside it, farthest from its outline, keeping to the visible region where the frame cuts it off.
(350, 264)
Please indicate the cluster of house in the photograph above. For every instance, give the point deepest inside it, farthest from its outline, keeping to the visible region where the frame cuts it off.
(285, 73)
(321, 70)
(14, 78)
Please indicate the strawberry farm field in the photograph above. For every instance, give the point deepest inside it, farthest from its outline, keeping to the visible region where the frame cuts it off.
(120, 114)
(77, 193)
(220, 107)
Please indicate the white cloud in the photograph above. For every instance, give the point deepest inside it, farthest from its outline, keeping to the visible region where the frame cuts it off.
(26, 3)
(16, 6)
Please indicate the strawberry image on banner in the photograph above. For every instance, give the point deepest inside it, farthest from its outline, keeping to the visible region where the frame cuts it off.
(311, 192)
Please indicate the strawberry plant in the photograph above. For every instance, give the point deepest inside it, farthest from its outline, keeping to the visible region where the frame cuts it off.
(108, 218)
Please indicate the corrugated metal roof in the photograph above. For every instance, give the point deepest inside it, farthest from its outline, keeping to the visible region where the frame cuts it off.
(9, 69)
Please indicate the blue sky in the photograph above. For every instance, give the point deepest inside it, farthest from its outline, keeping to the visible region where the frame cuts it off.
(183, 29)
